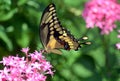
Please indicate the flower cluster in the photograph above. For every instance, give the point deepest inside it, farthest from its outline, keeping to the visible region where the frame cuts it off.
(102, 13)
(118, 44)
(32, 68)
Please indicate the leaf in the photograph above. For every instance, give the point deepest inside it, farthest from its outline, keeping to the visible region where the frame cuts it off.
(8, 15)
(24, 39)
(21, 2)
(5, 38)
(73, 3)
(81, 71)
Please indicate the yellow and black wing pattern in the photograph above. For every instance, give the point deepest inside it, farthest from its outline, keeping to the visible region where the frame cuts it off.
(53, 35)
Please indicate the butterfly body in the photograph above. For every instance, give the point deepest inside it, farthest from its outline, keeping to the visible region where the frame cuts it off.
(53, 35)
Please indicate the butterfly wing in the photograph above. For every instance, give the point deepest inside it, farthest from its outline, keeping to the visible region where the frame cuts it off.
(53, 35)
(47, 30)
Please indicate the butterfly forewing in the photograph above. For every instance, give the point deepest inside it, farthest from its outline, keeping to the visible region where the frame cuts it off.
(48, 21)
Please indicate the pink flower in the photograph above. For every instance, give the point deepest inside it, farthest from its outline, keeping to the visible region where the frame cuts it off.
(118, 46)
(25, 50)
(20, 69)
(103, 14)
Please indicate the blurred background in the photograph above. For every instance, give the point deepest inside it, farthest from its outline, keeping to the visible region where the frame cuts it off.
(19, 27)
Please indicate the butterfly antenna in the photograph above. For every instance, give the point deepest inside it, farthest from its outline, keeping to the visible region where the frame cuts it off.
(83, 38)
(83, 41)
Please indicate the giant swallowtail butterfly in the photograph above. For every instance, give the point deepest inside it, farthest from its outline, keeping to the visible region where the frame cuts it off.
(53, 35)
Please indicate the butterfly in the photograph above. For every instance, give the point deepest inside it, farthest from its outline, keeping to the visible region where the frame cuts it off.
(53, 35)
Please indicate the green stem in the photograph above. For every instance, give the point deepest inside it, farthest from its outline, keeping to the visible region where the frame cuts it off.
(105, 42)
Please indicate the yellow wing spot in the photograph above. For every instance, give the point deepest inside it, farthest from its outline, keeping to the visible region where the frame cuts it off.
(51, 28)
(51, 5)
(56, 26)
(52, 32)
(54, 14)
(55, 22)
(60, 37)
(51, 37)
(60, 32)
(51, 44)
(44, 18)
(50, 13)
(70, 43)
(71, 47)
(55, 18)
(51, 24)
(52, 8)
(49, 18)
(53, 11)
(58, 29)
(64, 33)
(66, 39)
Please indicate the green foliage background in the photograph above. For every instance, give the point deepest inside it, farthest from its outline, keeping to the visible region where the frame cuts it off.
(19, 27)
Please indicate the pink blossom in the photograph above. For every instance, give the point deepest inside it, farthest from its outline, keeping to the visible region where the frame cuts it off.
(118, 36)
(20, 69)
(102, 13)
(118, 31)
(118, 46)
(25, 50)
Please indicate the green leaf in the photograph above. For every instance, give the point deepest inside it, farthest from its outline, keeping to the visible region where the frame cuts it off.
(81, 71)
(7, 15)
(5, 38)
(24, 38)
(21, 2)
(98, 56)
(73, 3)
